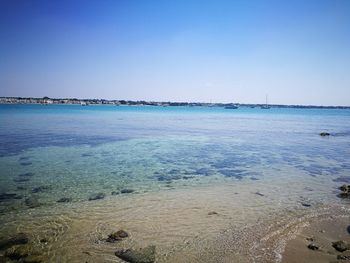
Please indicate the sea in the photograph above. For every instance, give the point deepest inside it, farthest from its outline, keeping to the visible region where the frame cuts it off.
(201, 184)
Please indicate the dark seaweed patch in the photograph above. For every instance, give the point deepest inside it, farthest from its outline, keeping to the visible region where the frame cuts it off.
(42, 188)
(234, 173)
(26, 175)
(342, 179)
(204, 171)
(9, 196)
(25, 163)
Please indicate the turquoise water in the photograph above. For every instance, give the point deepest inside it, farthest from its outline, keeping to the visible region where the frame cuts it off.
(160, 171)
(67, 150)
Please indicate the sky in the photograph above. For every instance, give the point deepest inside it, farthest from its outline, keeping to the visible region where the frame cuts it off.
(297, 51)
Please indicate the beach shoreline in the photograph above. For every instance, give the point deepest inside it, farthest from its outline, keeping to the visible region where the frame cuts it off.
(184, 225)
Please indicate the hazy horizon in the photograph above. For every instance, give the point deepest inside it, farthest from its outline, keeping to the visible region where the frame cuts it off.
(194, 51)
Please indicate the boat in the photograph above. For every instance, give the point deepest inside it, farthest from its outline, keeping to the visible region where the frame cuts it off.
(231, 107)
(266, 106)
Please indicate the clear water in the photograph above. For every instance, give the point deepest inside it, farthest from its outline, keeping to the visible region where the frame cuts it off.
(76, 152)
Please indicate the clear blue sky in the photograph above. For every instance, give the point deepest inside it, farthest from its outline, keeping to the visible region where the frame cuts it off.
(298, 52)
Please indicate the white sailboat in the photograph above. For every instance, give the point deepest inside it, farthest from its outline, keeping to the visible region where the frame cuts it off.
(266, 106)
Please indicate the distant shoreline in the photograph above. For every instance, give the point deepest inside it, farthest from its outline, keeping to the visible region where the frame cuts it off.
(85, 102)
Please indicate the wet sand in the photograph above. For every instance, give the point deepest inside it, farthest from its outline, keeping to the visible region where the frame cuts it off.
(321, 232)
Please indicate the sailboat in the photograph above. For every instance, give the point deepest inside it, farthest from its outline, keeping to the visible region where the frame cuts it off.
(266, 106)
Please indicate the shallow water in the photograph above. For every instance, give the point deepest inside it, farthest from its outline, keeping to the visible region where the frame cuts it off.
(248, 165)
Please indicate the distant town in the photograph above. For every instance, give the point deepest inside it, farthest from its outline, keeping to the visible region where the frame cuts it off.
(86, 102)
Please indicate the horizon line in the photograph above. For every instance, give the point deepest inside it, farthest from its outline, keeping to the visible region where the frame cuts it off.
(169, 101)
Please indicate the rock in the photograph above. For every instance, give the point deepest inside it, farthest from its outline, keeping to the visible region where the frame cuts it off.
(313, 246)
(340, 246)
(212, 213)
(18, 239)
(64, 200)
(344, 188)
(117, 236)
(97, 196)
(348, 229)
(324, 134)
(345, 191)
(260, 194)
(32, 202)
(305, 204)
(115, 193)
(311, 239)
(142, 255)
(127, 191)
(44, 240)
(343, 257)
(40, 189)
(16, 253)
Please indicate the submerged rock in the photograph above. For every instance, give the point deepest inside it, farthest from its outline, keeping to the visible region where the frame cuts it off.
(305, 204)
(260, 194)
(343, 257)
(345, 191)
(187, 177)
(97, 196)
(16, 253)
(127, 191)
(117, 236)
(64, 200)
(340, 246)
(23, 254)
(324, 134)
(142, 255)
(115, 193)
(18, 239)
(212, 213)
(32, 202)
(44, 240)
(313, 246)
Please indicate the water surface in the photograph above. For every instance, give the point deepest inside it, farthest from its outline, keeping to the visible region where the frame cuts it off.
(246, 164)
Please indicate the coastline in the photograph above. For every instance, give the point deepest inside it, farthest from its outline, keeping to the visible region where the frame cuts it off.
(117, 102)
